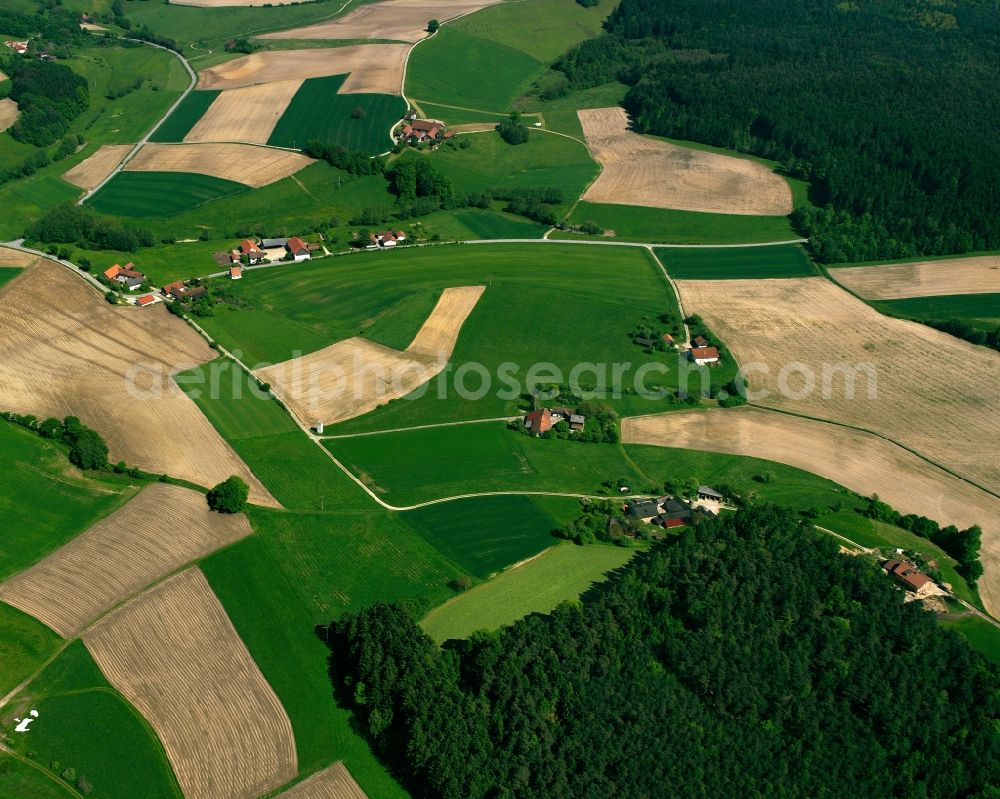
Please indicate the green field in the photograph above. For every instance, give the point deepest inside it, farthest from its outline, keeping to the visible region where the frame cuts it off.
(160, 194)
(564, 305)
(457, 68)
(458, 116)
(978, 632)
(25, 644)
(121, 120)
(8, 273)
(267, 439)
(303, 569)
(318, 113)
(487, 534)
(85, 724)
(787, 260)
(870, 533)
(420, 465)
(45, 501)
(981, 311)
(545, 160)
(176, 126)
(19, 779)
(663, 226)
(561, 574)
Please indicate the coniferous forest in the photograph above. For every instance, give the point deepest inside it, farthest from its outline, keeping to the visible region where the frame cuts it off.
(889, 109)
(745, 658)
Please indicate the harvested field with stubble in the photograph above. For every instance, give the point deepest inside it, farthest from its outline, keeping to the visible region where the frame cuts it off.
(352, 377)
(67, 352)
(250, 164)
(859, 461)
(94, 168)
(335, 782)
(933, 393)
(8, 113)
(175, 655)
(639, 170)
(399, 20)
(162, 528)
(248, 114)
(372, 68)
(979, 274)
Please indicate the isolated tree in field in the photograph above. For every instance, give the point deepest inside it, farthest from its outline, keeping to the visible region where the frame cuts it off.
(88, 450)
(229, 496)
(358, 113)
(433, 25)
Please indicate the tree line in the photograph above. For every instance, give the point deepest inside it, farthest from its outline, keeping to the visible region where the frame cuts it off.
(746, 657)
(889, 110)
(72, 224)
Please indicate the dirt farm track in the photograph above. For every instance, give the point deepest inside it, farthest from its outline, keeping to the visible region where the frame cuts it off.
(175, 655)
(70, 353)
(859, 461)
(164, 527)
(933, 393)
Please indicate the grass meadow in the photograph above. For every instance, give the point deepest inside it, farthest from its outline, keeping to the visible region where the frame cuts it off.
(487, 534)
(25, 644)
(46, 502)
(317, 112)
(178, 125)
(294, 469)
(8, 273)
(85, 724)
(558, 575)
(460, 69)
(788, 260)
(122, 120)
(543, 304)
(665, 226)
(420, 465)
(21, 779)
(981, 311)
(458, 116)
(980, 634)
(300, 570)
(545, 160)
(160, 194)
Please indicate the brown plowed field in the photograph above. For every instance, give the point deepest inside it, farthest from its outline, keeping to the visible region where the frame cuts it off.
(248, 164)
(979, 274)
(94, 168)
(175, 655)
(355, 376)
(335, 782)
(373, 68)
(67, 352)
(933, 393)
(859, 461)
(639, 170)
(162, 528)
(8, 113)
(247, 114)
(398, 20)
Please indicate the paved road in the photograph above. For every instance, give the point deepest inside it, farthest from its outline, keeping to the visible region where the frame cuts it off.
(139, 145)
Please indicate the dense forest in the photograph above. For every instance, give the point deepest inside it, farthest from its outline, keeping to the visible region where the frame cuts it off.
(744, 658)
(50, 96)
(889, 109)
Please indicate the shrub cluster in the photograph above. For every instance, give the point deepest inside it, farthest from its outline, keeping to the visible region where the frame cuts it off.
(71, 224)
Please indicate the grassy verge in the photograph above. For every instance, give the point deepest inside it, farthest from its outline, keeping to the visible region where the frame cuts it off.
(980, 634)
(558, 575)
